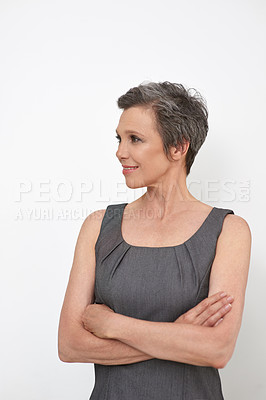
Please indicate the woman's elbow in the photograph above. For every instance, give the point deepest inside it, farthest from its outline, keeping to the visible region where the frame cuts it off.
(77, 345)
(219, 363)
(64, 353)
(64, 358)
(222, 362)
(65, 347)
(224, 352)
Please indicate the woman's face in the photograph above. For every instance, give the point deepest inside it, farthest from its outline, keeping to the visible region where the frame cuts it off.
(141, 145)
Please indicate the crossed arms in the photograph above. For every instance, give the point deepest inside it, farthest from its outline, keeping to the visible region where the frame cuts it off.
(125, 340)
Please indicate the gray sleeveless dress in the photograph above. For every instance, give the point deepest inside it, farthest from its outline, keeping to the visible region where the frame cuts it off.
(154, 284)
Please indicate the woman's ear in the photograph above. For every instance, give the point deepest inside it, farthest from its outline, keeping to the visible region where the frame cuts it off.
(180, 150)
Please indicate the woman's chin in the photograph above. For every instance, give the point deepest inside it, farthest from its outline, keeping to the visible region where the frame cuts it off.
(134, 184)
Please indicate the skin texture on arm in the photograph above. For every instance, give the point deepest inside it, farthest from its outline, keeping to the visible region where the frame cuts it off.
(197, 345)
(191, 344)
(102, 321)
(88, 348)
(75, 343)
(230, 272)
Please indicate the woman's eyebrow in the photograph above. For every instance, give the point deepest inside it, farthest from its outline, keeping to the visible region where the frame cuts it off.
(130, 131)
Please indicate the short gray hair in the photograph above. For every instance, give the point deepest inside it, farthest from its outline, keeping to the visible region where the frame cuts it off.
(179, 114)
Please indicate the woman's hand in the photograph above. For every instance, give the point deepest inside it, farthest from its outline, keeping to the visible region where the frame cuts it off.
(96, 319)
(209, 312)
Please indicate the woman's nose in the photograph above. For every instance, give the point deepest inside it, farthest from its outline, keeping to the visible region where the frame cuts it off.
(121, 152)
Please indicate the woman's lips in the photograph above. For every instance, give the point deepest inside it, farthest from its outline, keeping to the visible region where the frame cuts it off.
(128, 170)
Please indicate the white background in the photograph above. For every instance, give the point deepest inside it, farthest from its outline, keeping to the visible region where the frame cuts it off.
(63, 66)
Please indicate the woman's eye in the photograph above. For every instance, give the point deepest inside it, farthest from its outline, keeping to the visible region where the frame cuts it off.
(134, 138)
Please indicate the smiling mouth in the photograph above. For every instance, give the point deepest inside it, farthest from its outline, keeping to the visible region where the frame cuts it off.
(127, 168)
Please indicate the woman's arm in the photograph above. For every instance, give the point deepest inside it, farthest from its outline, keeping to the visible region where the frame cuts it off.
(186, 343)
(75, 343)
(85, 347)
(230, 272)
(199, 345)
(99, 318)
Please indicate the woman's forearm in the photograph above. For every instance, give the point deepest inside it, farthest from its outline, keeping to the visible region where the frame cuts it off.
(186, 343)
(85, 347)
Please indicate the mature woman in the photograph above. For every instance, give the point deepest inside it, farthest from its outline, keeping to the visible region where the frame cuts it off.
(148, 295)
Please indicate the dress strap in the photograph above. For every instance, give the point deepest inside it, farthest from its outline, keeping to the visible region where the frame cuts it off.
(109, 235)
(205, 239)
(202, 249)
(217, 219)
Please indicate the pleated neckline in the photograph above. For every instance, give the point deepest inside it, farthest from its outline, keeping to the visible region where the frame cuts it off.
(204, 223)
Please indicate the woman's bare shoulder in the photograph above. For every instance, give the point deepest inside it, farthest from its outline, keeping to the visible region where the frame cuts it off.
(92, 225)
(235, 224)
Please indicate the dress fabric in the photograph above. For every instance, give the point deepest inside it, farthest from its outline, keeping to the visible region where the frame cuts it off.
(155, 284)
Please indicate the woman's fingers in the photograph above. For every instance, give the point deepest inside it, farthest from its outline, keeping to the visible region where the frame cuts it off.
(213, 309)
(218, 322)
(206, 304)
(209, 310)
(217, 318)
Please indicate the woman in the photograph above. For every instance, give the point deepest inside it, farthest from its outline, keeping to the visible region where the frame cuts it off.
(145, 300)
